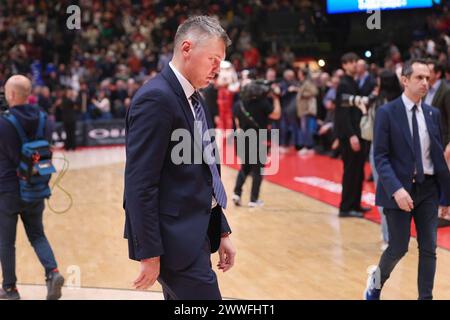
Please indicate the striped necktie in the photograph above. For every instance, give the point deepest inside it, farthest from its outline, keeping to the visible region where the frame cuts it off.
(219, 190)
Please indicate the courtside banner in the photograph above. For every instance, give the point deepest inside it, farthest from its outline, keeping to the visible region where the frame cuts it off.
(104, 132)
(59, 134)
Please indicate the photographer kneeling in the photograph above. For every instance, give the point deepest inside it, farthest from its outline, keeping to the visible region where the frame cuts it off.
(259, 102)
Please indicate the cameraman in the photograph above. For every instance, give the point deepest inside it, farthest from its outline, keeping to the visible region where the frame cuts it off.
(253, 112)
(17, 91)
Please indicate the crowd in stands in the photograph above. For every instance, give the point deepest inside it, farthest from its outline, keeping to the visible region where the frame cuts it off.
(124, 43)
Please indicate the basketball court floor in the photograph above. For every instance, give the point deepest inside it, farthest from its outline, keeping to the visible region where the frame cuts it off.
(295, 247)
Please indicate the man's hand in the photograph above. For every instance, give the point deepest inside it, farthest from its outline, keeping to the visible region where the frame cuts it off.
(325, 128)
(335, 144)
(354, 143)
(275, 89)
(404, 200)
(292, 89)
(149, 273)
(444, 213)
(226, 254)
(447, 155)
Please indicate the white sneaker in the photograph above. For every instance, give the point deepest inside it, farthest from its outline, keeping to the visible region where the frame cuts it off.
(302, 152)
(373, 288)
(257, 203)
(236, 200)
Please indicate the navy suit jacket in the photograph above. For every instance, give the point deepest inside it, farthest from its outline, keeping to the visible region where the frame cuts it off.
(394, 155)
(167, 205)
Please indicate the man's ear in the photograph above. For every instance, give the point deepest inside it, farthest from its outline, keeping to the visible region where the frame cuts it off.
(186, 47)
(403, 80)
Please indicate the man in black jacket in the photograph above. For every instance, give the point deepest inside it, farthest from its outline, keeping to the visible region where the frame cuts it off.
(353, 148)
(17, 90)
(69, 118)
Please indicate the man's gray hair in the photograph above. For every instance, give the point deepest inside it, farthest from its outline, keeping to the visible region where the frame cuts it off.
(407, 68)
(201, 28)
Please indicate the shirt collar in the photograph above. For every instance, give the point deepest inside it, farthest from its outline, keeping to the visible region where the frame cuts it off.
(185, 84)
(409, 104)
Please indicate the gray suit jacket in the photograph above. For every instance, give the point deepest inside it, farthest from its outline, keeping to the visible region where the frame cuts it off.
(441, 101)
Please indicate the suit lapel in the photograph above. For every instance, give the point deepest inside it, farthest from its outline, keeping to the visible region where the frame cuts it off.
(171, 78)
(403, 118)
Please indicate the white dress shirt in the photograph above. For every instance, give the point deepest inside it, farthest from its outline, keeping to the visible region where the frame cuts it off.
(185, 84)
(425, 143)
(189, 90)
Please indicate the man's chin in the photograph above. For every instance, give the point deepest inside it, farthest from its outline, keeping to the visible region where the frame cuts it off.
(205, 84)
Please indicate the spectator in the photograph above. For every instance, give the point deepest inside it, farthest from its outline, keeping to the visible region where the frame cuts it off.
(306, 112)
(289, 128)
(103, 104)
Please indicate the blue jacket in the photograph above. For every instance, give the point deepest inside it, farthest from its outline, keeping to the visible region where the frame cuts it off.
(10, 144)
(394, 155)
(167, 205)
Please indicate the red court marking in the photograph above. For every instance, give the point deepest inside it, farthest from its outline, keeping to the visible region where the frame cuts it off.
(292, 165)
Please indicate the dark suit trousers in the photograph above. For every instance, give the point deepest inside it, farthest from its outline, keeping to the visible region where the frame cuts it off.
(425, 214)
(352, 180)
(70, 128)
(11, 207)
(246, 169)
(196, 282)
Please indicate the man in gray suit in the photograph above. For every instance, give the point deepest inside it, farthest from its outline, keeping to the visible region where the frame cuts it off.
(439, 96)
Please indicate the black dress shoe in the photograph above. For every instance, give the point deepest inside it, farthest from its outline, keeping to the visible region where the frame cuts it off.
(351, 214)
(363, 209)
(9, 294)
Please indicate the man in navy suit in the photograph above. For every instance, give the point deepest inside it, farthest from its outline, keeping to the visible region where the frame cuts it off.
(414, 178)
(174, 211)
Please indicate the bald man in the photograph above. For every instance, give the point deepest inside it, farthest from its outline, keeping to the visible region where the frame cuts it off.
(17, 91)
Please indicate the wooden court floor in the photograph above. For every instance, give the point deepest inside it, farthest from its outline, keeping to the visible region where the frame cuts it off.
(293, 248)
